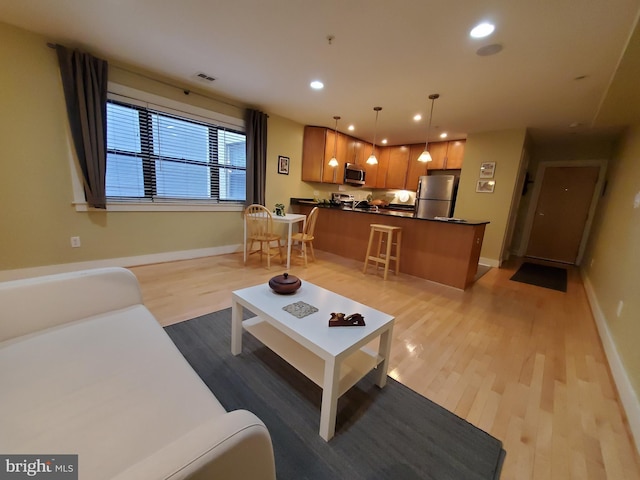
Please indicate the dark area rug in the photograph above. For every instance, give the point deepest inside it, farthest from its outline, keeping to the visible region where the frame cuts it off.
(545, 276)
(390, 433)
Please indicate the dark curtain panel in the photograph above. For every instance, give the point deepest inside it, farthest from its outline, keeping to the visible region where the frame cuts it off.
(84, 79)
(256, 131)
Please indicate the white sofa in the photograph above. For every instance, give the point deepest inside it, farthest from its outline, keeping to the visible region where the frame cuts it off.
(86, 369)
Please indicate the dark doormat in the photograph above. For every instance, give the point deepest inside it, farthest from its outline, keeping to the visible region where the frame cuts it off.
(554, 278)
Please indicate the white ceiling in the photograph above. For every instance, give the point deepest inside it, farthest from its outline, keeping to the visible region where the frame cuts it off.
(393, 54)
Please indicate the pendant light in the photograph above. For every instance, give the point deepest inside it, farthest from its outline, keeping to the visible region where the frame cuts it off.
(426, 156)
(372, 160)
(334, 161)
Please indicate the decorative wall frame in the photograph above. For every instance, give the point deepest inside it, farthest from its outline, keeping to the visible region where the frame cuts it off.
(485, 186)
(283, 165)
(487, 169)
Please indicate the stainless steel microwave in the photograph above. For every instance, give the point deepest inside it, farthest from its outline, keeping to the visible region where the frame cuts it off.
(353, 175)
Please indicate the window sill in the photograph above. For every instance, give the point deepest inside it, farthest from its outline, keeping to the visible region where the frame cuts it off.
(162, 207)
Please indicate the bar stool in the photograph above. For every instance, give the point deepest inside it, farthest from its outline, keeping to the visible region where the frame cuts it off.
(384, 258)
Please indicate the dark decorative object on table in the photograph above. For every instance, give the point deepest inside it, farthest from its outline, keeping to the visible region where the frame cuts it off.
(285, 283)
(353, 320)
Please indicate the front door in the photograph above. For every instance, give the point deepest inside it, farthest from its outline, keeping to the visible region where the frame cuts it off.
(561, 214)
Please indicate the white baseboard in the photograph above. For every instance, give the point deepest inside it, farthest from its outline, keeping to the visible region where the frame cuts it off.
(627, 394)
(118, 262)
(489, 262)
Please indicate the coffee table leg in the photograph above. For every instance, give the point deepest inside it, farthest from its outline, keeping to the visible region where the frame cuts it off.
(384, 350)
(236, 328)
(329, 399)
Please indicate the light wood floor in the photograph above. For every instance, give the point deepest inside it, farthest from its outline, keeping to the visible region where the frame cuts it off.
(521, 362)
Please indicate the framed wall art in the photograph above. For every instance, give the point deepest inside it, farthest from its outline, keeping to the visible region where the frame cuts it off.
(485, 186)
(487, 169)
(283, 165)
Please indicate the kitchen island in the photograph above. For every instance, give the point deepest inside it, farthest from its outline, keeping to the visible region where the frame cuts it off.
(446, 252)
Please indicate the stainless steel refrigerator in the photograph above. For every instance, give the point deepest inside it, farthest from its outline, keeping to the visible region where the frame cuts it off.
(435, 196)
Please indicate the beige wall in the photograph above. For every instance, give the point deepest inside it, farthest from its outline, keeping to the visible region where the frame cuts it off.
(614, 249)
(285, 139)
(504, 148)
(576, 148)
(37, 217)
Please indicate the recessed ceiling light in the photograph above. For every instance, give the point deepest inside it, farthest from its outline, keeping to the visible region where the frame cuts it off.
(317, 85)
(351, 128)
(482, 30)
(443, 135)
(384, 141)
(417, 117)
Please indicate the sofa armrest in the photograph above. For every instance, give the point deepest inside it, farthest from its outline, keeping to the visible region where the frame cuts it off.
(33, 304)
(230, 446)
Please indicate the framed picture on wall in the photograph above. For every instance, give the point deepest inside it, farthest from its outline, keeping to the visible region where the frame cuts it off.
(487, 169)
(485, 186)
(283, 165)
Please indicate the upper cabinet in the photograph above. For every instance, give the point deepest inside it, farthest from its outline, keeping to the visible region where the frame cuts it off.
(416, 169)
(455, 152)
(382, 154)
(313, 153)
(335, 174)
(398, 165)
(397, 168)
(438, 151)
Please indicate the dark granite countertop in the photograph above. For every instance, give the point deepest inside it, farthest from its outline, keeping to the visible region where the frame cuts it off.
(385, 211)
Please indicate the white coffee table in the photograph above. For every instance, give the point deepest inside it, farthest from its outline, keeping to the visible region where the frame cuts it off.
(335, 358)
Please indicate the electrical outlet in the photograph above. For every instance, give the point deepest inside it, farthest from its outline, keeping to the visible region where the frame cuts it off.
(591, 264)
(75, 242)
(316, 193)
(619, 310)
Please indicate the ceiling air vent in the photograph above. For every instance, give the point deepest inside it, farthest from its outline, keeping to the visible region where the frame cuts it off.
(204, 77)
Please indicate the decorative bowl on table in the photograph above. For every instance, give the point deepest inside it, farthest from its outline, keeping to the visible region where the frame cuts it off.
(285, 283)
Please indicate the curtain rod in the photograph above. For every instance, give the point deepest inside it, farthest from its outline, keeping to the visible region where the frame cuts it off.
(186, 91)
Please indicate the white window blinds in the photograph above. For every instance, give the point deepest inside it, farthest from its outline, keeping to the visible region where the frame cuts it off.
(159, 156)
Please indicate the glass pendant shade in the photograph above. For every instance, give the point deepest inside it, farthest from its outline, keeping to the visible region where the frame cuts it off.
(372, 160)
(426, 156)
(334, 161)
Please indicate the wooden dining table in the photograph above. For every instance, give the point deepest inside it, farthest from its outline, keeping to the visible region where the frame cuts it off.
(289, 219)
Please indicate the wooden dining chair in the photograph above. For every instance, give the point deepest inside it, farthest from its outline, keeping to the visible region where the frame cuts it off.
(306, 236)
(259, 225)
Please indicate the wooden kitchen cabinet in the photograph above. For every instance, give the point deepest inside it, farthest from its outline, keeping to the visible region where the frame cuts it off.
(382, 154)
(455, 153)
(334, 174)
(397, 168)
(446, 155)
(398, 165)
(362, 151)
(416, 169)
(438, 151)
(442, 252)
(313, 148)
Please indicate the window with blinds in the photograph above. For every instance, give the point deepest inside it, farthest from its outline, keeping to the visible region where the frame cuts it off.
(157, 156)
